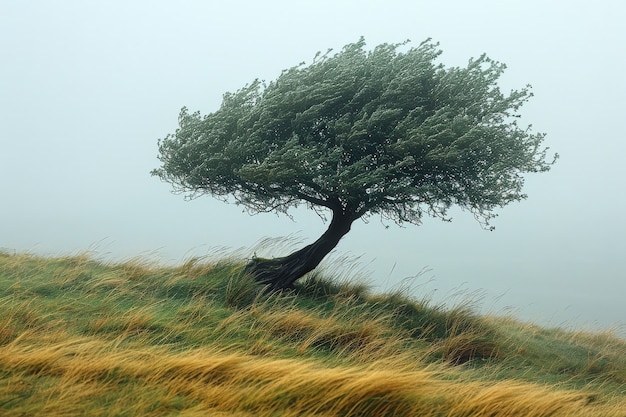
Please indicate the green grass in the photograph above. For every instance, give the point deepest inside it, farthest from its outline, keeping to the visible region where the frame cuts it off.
(82, 337)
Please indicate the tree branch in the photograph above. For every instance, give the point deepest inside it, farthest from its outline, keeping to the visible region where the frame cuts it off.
(319, 201)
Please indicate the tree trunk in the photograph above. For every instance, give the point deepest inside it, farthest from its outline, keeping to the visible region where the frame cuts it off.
(280, 273)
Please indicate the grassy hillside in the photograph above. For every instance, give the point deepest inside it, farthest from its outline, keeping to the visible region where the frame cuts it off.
(79, 337)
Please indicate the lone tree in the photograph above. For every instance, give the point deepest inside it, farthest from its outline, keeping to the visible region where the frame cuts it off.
(359, 133)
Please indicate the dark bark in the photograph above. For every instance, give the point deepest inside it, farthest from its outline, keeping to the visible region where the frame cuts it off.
(280, 273)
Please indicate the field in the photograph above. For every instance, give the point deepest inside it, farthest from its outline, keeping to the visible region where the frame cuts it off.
(83, 337)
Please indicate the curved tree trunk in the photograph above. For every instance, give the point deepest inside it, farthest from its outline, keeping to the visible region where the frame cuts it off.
(279, 273)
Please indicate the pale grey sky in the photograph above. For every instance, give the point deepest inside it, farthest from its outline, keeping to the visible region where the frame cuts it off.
(87, 88)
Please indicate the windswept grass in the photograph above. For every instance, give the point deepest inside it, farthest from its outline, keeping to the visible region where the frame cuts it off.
(80, 337)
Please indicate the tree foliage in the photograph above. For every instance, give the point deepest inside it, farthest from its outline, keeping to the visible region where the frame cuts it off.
(362, 132)
(357, 133)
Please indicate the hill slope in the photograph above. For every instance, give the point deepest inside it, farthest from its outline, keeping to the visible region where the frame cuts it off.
(79, 337)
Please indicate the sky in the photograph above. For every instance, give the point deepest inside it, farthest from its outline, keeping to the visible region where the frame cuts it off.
(88, 88)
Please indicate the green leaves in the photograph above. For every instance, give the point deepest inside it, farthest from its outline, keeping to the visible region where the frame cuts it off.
(363, 132)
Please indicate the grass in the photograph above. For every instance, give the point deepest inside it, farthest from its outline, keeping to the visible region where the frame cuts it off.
(82, 337)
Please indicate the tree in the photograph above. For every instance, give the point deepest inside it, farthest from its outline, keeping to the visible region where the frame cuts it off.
(359, 133)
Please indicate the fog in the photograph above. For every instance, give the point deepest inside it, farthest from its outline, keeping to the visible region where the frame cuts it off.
(87, 89)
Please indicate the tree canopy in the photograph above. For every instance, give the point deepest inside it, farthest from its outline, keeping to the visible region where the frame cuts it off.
(388, 131)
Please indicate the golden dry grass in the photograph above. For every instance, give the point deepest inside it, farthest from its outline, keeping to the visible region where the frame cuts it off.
(69, 377)
(81, 338)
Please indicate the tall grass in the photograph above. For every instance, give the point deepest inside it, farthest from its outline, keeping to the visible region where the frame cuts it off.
(80, 337)
(103, 378)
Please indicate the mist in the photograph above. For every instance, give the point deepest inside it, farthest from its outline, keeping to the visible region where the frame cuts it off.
(87, 89)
